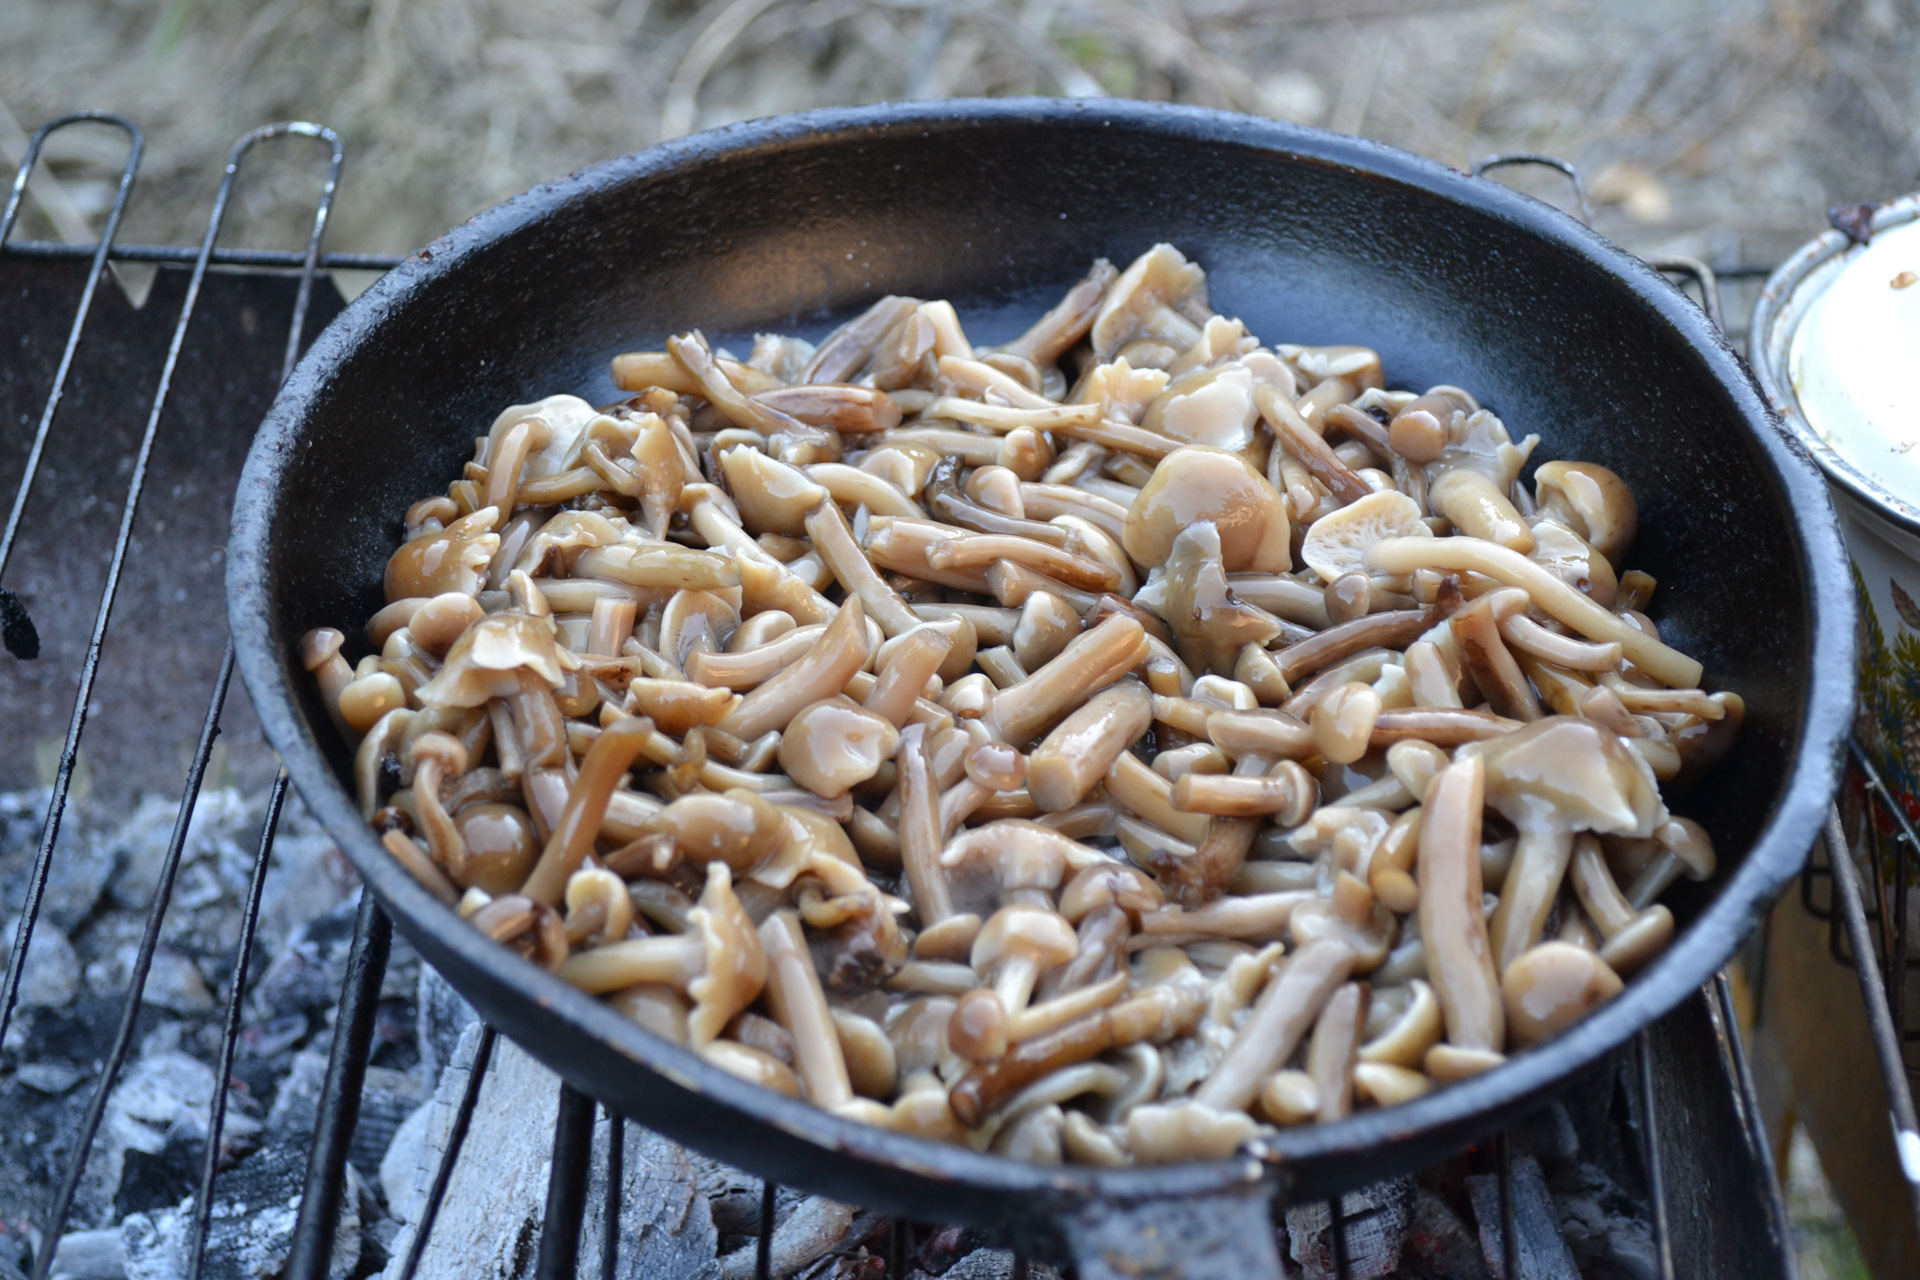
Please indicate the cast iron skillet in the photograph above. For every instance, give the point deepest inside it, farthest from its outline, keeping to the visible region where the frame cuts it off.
(793, 224)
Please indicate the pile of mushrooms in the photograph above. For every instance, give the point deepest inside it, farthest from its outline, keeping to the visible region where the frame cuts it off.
(1093, 748)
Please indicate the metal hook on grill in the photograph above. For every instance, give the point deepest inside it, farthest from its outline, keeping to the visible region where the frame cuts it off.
(1513, 158)
(372, 952)
(1701, 274)
(17, 631)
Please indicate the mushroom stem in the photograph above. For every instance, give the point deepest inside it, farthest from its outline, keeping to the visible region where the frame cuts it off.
(834, 541)
(1453, 927)
(906, 665)
(1548, 593)
(670, 959)
(505, 462)
(794, 994)
(841, 650)
(1071, 760)
(1273, 1029)
(1441, 726)
(1393, 629)
(1157, 1013)
(1069, 319)
(1334, 1049)
(408, 853)
(1523, 633)
(1090, 662)
(1486, 658)
(1540, 857)
(1304, 443)
(919, 827)
(607, 761)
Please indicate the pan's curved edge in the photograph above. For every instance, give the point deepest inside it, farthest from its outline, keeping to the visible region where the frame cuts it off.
(1464, 1110)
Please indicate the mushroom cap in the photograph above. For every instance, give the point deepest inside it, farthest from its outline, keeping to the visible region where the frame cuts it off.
(440, 622)
(566, 419)
(1108, 882)
(735, 828)
(1159, 278)
(1022, 930)
(319, 646)
(454, 559)
(1568, 770)
(1212, 407)
(692, 616)
(1629, 950)
(1590, 500)
(1195, 483)
(501, 847)
(443, 748)
(1570, 558)
(835, 744)
(1688, 841)
(1336, 544)
(996, 766)
(978, 1029)
(1020, 853)
(1551, 987)
(492, 659)
(736, 963)
(596, 885)
(872, 1068)
(773, 496)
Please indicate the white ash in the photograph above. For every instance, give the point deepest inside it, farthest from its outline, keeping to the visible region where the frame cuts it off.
(811, 1231)
(51, 979)
(255, 1207)
(1376, 1229)
(90, 1255)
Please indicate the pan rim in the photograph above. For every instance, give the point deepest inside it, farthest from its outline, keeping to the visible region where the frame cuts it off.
(1465, 1109)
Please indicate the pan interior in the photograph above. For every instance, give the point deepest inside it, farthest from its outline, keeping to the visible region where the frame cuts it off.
(792, 231)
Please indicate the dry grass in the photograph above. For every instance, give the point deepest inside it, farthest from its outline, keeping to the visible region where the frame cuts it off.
(1717, 128)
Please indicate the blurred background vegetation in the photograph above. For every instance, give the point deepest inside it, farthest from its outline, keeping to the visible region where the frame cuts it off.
(1718, 128)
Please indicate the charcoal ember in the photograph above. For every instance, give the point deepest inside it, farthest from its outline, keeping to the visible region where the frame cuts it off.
(733, 1200)
(308, 972)
(307, 877)
(175, 983)
(1376, 1227)
(51, 979)
(13, 1255)
(1546, 1134)
(490, 1221)
(936, 1251)
(157, 1109)
(442, 1015)
(989, 1264)
(89, 1255)
(50, 1077)
(814, 1228)
(82, 867)
(386, 1100)
(1607, 1230)
(250, 1236)
(664, 1229)
(1542, 1253)
(1438, 1243)
(220, 832)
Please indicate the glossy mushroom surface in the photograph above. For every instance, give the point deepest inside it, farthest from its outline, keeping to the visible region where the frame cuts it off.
(1095, 749)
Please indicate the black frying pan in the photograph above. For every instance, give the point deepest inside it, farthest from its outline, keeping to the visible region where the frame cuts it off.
(792, 225)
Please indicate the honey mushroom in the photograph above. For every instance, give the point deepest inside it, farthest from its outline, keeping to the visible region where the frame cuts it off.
(1152, 645)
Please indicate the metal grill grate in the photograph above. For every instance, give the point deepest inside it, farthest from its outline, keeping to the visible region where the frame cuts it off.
(354, 1028)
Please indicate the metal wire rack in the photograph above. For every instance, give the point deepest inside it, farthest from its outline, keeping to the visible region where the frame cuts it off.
(568, 1190)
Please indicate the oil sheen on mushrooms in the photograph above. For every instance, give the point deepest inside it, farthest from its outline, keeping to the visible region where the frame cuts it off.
(1102, 747)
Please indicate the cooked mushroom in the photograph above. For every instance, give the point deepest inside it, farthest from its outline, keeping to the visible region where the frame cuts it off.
(1273, 1029)
(683, 639)
(1196, 484)
(1554, 778)
(1633, 937)
(1453, 926)
(1157, 296)
(719, 962)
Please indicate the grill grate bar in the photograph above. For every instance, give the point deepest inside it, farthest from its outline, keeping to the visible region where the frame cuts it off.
(616, 1170)
(291, 259)
(17, 629)
(21, 639)
(1656, 1173)
(56, 1217)
(230, 1033)
(1849, 909)
(456, 1138)
(339, 1111)
(567, 1186)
